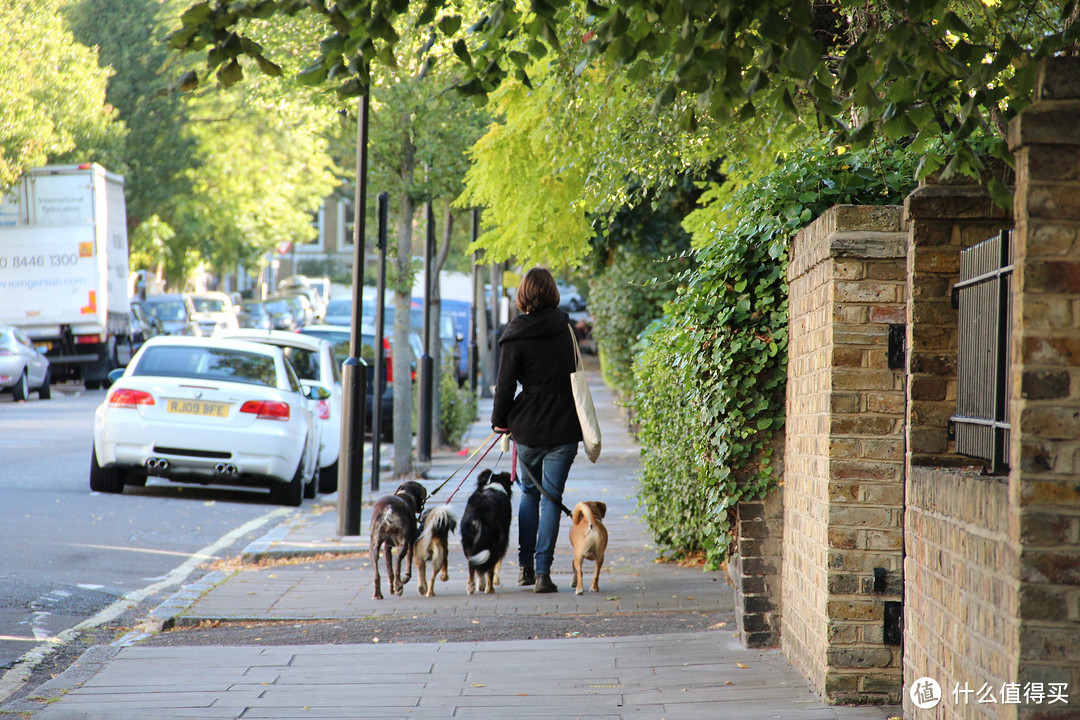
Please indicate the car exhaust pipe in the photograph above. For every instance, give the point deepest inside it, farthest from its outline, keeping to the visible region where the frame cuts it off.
(157, 464)
(227, 469)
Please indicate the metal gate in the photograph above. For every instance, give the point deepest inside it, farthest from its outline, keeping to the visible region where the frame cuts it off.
(983, 359)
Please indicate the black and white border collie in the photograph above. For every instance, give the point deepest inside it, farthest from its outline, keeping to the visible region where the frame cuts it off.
(485, 529)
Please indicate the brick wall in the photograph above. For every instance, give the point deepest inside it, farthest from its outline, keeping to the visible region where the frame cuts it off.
(755, 568)
(843, 487)
(1044, 485)
(959, 569)
(960, 595)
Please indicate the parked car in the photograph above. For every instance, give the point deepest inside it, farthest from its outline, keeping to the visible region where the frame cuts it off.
(339, 312)
(452, 342)
(23, 365)
(281, 316)
(141, 327)
(214, 311)
(208, 411)
(175, 312)
(316, 365)
(569, 298)
(338, 336)
(298, 307)
(314, 290)
(253, 314)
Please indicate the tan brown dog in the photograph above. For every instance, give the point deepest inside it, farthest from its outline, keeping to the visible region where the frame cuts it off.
(432, 546)
(588, 536)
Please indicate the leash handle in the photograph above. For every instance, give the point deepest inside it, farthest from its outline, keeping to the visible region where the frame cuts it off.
(540, 486)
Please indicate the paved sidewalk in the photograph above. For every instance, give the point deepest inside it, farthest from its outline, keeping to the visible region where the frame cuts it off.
(670, 675)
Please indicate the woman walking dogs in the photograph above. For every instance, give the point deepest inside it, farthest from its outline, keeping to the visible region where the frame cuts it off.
(538, 352)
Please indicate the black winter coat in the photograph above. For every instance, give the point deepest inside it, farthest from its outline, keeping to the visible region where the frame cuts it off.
(538, 352)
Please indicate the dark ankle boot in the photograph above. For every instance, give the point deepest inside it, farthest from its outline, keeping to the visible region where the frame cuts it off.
(544, 584)
(526, 577)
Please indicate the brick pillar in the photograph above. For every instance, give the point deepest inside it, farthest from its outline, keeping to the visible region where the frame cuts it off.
(755, 568)
(843, 479)
(1044, 483)
(959, 565)
(942, 221)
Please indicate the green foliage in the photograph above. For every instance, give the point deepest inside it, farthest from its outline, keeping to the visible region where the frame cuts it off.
(52, 94)
(710, 379)
(230, 174)
(331, 268)
(157, 152)
(260, 178)
(905, 70)
(633, 264)
(457, 407)
(531, 199)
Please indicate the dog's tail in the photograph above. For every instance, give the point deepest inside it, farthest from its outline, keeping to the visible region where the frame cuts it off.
(479, 558)
(438, 521)
(581, 510)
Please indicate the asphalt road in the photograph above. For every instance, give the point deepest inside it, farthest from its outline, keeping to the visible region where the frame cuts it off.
(71, 556)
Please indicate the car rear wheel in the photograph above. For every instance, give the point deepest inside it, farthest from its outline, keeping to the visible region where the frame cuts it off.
(22, 388)
(107, 480)
(45, 391)
(328, 478)
(292, 492)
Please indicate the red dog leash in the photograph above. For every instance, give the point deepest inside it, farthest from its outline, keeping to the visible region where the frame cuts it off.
(466, 475)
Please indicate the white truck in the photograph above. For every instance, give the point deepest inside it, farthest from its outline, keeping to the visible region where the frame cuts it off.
(64, 267)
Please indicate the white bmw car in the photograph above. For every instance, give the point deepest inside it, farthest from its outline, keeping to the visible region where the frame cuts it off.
(207, 411)
(316, 365)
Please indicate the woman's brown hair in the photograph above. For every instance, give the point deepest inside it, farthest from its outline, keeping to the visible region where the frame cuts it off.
(537, 291)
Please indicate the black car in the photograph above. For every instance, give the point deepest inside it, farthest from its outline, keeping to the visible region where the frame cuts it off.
(173, 311)
(339, 335)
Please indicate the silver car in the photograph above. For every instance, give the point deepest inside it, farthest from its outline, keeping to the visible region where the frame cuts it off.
(23, 366)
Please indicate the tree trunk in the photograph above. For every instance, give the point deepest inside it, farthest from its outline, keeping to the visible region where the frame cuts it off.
(438, 437)
(403, 389)
(485, 376)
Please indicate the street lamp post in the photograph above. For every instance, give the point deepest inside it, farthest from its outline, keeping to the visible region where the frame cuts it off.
(427, 363)
(354, 370)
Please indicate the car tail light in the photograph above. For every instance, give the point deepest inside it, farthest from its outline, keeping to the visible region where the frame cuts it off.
(266, 409)
(6, 353)
(89, 339)
(322, 408)
(388, 360)
(128, 398)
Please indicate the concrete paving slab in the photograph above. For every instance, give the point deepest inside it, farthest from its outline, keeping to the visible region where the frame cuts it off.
(670, 675)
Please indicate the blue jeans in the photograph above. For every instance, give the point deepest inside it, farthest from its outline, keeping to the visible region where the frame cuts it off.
(538, 517)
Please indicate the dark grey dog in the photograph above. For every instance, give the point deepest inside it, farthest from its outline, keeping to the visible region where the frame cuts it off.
(394, 525)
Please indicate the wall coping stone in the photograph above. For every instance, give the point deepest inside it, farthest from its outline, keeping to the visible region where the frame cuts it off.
(952, 202)
(1051, 122)
(862, 244)
(1058, 79)
(866, 231)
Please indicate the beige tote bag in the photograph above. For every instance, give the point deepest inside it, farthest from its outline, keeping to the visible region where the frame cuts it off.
(586, 412)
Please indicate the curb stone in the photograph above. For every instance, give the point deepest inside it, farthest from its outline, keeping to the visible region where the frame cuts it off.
(89, 664)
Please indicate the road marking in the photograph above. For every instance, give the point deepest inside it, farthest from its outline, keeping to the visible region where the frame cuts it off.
(146, 551)
(20, 671)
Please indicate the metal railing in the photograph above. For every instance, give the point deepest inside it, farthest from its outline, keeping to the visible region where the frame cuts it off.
(983, 360)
